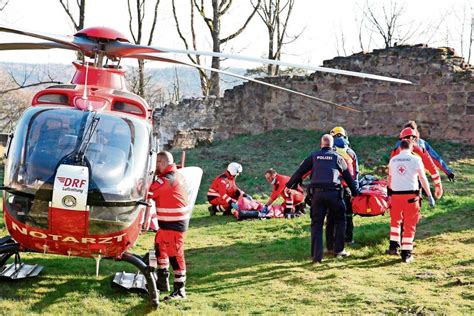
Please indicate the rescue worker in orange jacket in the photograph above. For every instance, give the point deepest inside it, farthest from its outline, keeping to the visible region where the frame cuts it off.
(173, 214)
(341, 146)
(293, 200)
(438, 161)
(406, 171)
(410, 135)
(224, 193)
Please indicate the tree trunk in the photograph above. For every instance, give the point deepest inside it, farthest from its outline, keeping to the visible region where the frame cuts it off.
(216, 47)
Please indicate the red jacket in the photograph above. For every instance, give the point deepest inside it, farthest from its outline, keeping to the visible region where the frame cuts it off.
(171, 199)
(426, 159)
(225, 189)
(279, 186)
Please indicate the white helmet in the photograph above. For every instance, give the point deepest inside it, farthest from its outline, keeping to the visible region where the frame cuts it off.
(234, 168)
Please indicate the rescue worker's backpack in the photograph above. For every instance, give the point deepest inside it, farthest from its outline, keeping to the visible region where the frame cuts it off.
(373, 198)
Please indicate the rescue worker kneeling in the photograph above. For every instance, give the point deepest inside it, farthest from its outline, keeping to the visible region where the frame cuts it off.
(293, 200)
(171, 199)
(326, 167)
(224, 193)
(406, 171)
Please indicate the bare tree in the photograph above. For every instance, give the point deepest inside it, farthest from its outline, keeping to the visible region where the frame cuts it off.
(15, 98)
(3, 4)
(136, 27)
(78, 21)
(275, 14)
(213, 23)
(204, 78)
(465, 31)
(388, 22)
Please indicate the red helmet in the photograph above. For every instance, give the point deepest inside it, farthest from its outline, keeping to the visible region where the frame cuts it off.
(406, 132)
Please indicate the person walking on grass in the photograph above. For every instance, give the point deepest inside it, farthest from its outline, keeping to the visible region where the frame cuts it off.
(406, 171)
(326, 167)
(341, 146)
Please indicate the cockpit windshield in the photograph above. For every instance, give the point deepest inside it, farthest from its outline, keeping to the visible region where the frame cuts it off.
(116, 152)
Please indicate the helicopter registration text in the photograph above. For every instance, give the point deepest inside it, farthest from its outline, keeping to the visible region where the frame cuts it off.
(71, 239)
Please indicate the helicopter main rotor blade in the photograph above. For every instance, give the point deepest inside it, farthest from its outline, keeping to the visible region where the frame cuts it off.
(66, 40)
(120, 49)
(163, 59)
(43, 45)
(282, 63)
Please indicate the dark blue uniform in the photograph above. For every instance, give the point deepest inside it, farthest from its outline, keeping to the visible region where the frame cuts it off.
(326, 167)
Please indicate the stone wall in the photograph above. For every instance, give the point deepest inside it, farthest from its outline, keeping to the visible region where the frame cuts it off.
(441, 99)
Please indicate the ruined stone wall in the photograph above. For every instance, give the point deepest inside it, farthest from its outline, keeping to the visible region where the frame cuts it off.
(441, 99)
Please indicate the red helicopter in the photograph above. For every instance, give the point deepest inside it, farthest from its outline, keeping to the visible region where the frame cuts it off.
(82, 158)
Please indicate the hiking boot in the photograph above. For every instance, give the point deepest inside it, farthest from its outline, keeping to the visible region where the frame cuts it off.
(179, 292)
(212, 210)
(391, 251)
(406, 256)
(342, 254)
(393, 248)
(162, 280)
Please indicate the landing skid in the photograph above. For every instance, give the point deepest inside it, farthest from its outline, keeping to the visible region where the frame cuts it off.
(16, 270)
(143, 281)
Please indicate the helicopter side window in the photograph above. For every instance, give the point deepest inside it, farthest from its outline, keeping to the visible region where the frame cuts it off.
(56, 98)
(127, 107)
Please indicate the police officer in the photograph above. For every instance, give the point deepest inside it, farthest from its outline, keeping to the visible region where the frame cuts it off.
(326, 167)
(341, 146)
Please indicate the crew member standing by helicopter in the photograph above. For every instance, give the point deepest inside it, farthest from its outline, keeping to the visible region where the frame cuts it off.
(171, 198)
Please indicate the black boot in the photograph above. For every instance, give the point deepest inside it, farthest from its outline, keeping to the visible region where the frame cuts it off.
(406, 256)
(162, 280)
(393, 248)
(212, 210)
(179, 292)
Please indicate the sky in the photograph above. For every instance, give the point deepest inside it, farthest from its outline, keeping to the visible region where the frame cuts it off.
(320, 21)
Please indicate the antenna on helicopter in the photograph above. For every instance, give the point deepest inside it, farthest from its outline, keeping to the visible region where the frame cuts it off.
(84, 95)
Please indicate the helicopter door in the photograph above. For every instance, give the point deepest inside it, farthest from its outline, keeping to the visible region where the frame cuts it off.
(68, 210)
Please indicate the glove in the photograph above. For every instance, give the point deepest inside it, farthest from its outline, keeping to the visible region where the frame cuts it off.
(431, 201)
(234, 206)
(451, 177)
(264, 211)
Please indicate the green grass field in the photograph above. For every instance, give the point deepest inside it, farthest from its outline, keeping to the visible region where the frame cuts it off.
(262, 267)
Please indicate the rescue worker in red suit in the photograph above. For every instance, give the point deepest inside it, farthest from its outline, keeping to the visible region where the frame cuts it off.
(410, 135)
(224, 193)
(171, 199)
(341, 146)
(438, 161)
(405, 172)
(293, 200)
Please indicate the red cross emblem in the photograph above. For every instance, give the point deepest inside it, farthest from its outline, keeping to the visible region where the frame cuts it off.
(402, 169)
